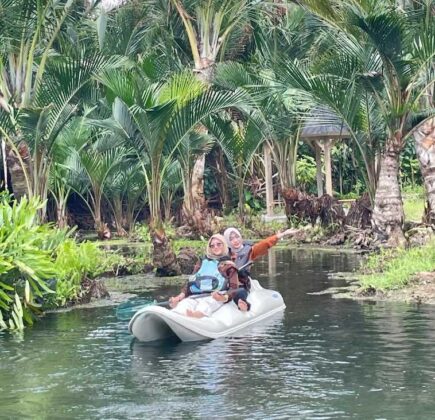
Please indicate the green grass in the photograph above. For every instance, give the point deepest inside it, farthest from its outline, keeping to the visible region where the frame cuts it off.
(393, 269)
(413, 207)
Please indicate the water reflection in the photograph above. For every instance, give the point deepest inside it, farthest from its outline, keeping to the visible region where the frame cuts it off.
(322, 358)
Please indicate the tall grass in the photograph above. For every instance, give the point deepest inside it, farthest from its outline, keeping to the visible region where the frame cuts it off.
(393, 269)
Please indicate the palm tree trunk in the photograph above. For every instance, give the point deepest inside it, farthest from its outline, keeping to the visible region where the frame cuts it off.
(241, 195)
(198, 183)
(61, 213)
(164, 258)
(223, 180)
(424, 138)
(204, 73)
(388, 216)
(20, 185)
(4, 165)
(118, 215)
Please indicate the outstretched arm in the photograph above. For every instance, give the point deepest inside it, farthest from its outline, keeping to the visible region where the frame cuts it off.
(260, 248)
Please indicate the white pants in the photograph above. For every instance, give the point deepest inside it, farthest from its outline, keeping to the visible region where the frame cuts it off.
(206, 305)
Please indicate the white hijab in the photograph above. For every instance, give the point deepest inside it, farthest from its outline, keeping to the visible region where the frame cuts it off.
(227, 235)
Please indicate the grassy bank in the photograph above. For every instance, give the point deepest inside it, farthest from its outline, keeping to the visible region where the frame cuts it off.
(393, 269)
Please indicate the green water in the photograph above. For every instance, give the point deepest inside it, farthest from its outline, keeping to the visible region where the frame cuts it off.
(322, 359)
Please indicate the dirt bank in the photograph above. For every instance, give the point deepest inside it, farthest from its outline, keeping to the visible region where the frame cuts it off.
(421, 289)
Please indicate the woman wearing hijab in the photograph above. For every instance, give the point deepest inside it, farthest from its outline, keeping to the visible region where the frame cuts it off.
(243, 252)
(216, 274)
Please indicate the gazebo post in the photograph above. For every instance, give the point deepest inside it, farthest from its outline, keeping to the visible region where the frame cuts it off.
(321, 131)
(327, 145)
(319, 175)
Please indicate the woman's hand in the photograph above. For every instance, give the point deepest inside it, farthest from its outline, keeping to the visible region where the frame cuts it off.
(219, 297)
(174, 300)
(287, 232)
(227, 267)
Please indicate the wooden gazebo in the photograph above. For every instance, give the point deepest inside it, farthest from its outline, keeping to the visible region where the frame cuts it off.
(322, 129)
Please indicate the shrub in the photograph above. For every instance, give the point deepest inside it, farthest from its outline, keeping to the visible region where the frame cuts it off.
(32, 256)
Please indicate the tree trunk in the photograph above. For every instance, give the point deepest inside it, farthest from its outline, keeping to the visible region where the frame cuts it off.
(118, 214)
(198, 184)
(204, 73)
(4, 165)
(164, 259)
(61, 214)
(388, 216)
(223, 181)
(241, 204)
(424, 138)
(20, 185)
(197, 216)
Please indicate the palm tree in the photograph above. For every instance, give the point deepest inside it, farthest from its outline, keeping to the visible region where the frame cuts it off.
(211, 28)
(239, 140)
(41, 78)
(125, 188)
(62, 180)
(380, 55)
(155, 123)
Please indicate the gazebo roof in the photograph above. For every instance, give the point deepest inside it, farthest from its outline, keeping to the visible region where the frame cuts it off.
(324, 124)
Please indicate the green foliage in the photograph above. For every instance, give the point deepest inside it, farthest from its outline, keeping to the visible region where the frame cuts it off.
(413, 208)
(306, 173)
(141, 232)
(31, 256)
(252, 203)
(392, 269)
(414, 198)
(75, 262)
(25, 257)
(410, 174)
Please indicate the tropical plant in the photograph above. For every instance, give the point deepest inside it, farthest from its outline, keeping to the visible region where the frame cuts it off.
(62, 177)
(306, 173)
(155, 123)
(373, 57)
(25, 259)
(75, 262)
(39, 88)
(124, 190)
(239, 141)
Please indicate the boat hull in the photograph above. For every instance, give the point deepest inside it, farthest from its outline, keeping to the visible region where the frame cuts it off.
(156, 323)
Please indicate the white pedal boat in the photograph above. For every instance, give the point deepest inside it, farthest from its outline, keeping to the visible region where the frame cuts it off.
(156, 323)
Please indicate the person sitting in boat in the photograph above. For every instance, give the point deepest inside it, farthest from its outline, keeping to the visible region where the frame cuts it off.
(216, 274)
(243, 252)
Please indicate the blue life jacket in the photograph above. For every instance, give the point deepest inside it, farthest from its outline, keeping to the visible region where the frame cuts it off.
(208, 278)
